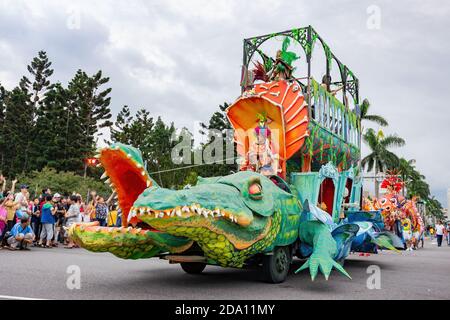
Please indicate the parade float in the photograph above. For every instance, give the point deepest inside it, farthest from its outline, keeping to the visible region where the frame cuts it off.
(400, 215)
(297, 193)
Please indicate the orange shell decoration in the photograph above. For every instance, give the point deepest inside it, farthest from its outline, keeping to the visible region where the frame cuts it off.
(285, 107)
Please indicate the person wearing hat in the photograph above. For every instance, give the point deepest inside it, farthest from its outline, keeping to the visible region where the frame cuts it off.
(59, 218)
(21, 234)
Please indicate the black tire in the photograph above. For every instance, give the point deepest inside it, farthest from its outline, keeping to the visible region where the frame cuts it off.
(193, 267)
(276, 266)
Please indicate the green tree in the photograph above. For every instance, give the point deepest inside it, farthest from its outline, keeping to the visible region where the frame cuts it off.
(63, 182)
(419, 188)
(217, 128)
(155, 140)
(365, 106)
(158, 148)
(40, 71)
(49, 149)
(405, 169)
(17, 128)
(133, 130)
(3, 142)
(434, 208)
(90, 105)
(380, 158)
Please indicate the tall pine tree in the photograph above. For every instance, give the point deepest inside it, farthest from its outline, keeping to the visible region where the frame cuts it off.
(89, 102)
(40, 72)
(133, 130)
(52, 129)
(220, 124)
(16, 131)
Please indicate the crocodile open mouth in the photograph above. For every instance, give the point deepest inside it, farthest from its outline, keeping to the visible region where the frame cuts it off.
(125, 173)
(185, 212)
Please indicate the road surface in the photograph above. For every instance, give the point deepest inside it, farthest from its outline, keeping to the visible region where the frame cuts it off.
(42, 273)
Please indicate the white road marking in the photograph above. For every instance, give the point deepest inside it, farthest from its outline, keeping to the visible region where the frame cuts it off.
(19, 298)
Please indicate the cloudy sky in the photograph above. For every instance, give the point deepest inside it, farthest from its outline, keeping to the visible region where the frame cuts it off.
(181, 59)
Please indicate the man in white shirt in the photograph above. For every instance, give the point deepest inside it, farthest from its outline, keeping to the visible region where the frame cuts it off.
(21, 199)
(439, 233)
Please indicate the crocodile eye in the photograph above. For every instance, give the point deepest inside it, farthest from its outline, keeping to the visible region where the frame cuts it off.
(383, 201)
(255, 191)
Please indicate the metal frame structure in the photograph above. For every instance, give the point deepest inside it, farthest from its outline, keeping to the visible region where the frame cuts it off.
(306, 37)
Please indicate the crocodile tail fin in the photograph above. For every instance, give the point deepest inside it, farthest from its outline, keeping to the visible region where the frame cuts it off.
(344, 235)
(387, 240)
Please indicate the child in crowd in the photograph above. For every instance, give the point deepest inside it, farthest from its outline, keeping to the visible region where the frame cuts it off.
(48, 221)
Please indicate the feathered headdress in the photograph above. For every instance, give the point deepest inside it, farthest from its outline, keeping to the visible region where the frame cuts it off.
(392, 182)
(262, 116)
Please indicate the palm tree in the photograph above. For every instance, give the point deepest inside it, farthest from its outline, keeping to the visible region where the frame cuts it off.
(380, 157)
(365, 106)
(434, 208)
(418, 187)
(405, 169)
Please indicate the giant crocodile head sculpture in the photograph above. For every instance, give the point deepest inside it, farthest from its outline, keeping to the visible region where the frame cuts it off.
(230, 218)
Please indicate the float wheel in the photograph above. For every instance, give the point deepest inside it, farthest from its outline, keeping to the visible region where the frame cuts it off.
(193, 267)
(276, 266)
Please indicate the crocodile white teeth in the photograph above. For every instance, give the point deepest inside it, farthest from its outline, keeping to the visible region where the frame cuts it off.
(107, 181)
(139, 165)
(128, 156)
(143, 172)
(186, 211)
(104, 176)
(138, 230)
(149, 183)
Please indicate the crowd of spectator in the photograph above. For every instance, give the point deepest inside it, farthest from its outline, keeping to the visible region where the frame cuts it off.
(44, 220)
